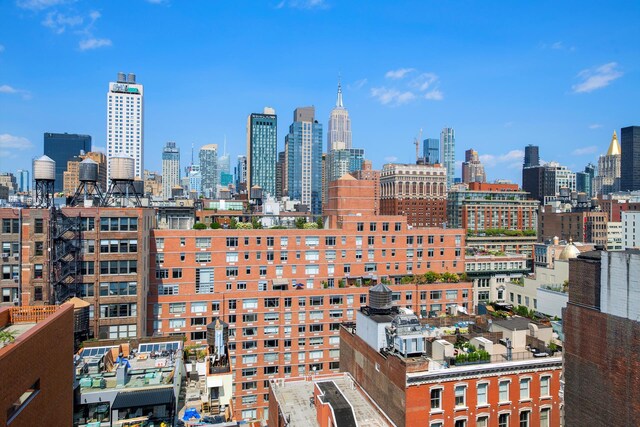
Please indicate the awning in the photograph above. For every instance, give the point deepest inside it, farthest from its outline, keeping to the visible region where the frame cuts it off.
(135, 399)
(280, 282)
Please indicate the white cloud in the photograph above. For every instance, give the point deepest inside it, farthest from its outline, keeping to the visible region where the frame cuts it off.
(583, 151)
(59, 22)
(1, 48)
(93, 43)
(391, 159)
(399, 73)
(597, 77)
(358, 84)
(8, 89)
(392, 96)
(595, 126)
(303, 4)
(434, 95)
(11, 142)
(40, 4)
(557, 45)
(491, 160)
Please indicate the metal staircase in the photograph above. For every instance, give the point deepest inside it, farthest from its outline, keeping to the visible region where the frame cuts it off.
(65, 255)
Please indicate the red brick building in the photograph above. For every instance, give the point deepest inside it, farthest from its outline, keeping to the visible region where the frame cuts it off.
(424, 389)
(36, 368)
(418, 192)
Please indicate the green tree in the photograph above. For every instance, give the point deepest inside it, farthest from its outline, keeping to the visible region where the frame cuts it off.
(215, 225)
(199, 226)
(233, 223)
(300, 222)
(320, 223)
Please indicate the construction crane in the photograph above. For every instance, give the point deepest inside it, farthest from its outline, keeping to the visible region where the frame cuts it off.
(416, 141)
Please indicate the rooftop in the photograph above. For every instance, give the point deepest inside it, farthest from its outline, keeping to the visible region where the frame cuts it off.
(296, 401)
(114, 367)
(21, 319)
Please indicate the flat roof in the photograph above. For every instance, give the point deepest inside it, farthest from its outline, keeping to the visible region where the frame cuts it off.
(295, 397)
(339, 404)
(517, 323)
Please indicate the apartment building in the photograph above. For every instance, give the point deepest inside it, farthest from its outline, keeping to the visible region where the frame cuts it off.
(490, 273)
(418, 192)
(36, 367)
(416, 377)
(585, 226)
(285, 292)
(98, 254)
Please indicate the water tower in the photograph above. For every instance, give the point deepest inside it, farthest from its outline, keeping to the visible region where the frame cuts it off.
(88, 192)
(44, 173)
(122, 191)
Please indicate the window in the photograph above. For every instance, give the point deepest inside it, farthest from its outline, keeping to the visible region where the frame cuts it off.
(524, 388)
(250, 303)
(232, 256)
(204, 280)
(460, 392)
(545, 417)
(37, 225)
(544, 386)
(330, 240)
(203, 242)
(436, 398)
(198, 307)
(108, 289)
(177, 323)
(176, 273)
(118, 310)
(503, 420)
(24, 399)
(460, 423)
(483, 421)
(198, 321)
(177, 307)
(524, 418)
(504, 391)
(482, 393)
(37, 271)
(360, 226)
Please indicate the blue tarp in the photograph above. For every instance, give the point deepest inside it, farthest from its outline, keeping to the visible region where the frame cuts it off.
(190, 414)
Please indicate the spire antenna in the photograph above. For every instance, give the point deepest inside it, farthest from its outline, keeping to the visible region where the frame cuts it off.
(339, 100)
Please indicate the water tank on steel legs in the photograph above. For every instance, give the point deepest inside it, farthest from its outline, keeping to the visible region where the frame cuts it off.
(44, 169)
(88, 171)
(217, 335)
(122, 168)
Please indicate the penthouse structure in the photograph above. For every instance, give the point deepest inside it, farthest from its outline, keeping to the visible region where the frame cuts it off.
(483, 374)
(418, 192)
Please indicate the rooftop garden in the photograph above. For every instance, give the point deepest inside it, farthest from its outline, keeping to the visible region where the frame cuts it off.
(501, 232)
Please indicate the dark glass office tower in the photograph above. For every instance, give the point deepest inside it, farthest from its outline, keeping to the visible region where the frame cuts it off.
(262, 150)
(531, 156)
(62, 147)
(431, 151)
(630, 161)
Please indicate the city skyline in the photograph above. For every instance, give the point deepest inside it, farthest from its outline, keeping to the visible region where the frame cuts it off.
(574, 90)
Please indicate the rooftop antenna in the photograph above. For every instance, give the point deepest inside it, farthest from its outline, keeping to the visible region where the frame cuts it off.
(192, 154)
(225, 145)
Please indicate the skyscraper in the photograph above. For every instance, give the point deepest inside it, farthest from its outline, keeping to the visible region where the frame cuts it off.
(303, 146)
(608, 179)
(339, 132)
(125, 121)
(241, 173)
(630, 164)
(431, 151)
(281, 175)
(448, 149)
(62, 147)
(209, 170)
(170, 169)
(262, 150)
(472, 168)
(531, 156)
(24, 184)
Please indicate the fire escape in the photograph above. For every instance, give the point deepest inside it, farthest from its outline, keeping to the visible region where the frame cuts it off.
(65, 255)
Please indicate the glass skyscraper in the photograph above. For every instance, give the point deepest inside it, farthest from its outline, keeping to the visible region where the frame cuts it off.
(262, 150)
(448, 149)
(209, 170)
(431, 151)
(630, 165)
(24, 184)
(62, 147)
(303, 147)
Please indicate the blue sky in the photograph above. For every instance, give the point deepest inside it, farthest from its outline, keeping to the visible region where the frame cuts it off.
(562, 75)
